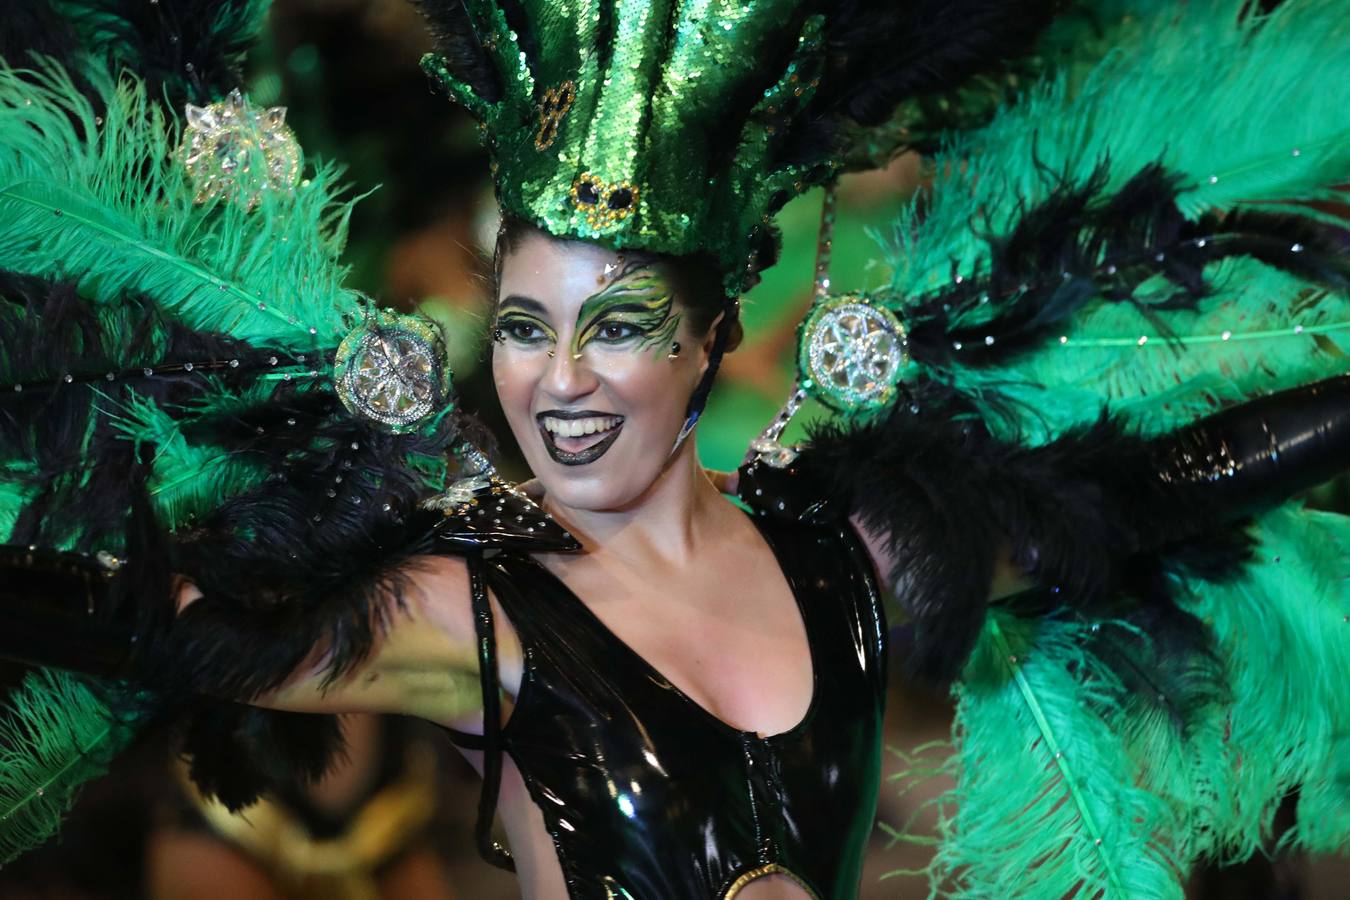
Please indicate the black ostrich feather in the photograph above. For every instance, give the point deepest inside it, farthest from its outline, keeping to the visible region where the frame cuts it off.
(1083, 244)
(455, 40)
(880, 55)
(236, 752)
(34, 28)
(1086, 515)
(187, 51)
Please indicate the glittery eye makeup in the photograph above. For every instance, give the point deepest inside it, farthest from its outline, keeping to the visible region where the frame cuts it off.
(519, 321)
(635, 308)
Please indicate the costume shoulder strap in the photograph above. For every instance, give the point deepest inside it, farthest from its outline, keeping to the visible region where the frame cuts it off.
(491, 850)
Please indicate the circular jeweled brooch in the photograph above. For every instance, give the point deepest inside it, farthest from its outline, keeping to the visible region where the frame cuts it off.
(852, 353)
(392, 371)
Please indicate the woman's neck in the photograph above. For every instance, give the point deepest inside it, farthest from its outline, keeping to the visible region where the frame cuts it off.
(667, 519)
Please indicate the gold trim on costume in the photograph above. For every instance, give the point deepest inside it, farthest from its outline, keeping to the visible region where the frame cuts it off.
(763, 871)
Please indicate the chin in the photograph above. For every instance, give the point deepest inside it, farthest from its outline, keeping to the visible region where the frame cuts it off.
(603, 487)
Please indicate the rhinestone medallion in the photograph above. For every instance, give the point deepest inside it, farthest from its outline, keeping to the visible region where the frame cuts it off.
(852, 353)
(392, 371)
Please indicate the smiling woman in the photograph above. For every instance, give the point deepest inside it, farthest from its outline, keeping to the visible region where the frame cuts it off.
(597, 359)
(602, 359)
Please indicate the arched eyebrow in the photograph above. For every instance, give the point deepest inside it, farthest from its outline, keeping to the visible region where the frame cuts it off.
(524, 304)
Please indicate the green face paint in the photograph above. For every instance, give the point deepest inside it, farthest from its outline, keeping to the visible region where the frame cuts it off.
(636, 307)
(520, 321)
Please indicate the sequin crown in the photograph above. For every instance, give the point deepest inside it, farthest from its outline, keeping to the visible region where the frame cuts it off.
(651, 124)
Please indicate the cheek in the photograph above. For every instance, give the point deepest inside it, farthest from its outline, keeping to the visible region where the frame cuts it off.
(646, 385)
(515, 375)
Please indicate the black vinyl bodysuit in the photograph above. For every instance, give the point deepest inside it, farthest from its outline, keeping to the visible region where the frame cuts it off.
(645, 793)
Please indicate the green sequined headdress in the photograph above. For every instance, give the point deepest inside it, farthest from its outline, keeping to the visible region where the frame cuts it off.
(656, 124)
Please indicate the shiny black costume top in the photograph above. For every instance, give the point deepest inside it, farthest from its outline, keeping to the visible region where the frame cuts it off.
(645, 793)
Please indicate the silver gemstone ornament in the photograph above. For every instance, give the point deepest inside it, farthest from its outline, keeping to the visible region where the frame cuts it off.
(233, 150)
(852, 353)
(392, 371)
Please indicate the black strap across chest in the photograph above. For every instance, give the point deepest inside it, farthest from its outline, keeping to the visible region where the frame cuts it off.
(648, 795)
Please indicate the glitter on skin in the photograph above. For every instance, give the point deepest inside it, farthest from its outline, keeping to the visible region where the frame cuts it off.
(637, 304)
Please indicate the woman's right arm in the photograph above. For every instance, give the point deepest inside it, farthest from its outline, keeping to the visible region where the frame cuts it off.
(423, 663)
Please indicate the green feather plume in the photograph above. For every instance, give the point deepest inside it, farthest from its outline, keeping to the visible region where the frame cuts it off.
(1282, 633)
(1063, 784)
(14, 494)
(1045, 803)
(188, 478)
(55, 734)
(1241, 109)
(1243, 106)
(103, 198)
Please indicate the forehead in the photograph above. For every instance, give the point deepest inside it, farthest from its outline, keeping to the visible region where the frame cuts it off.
(560, 275)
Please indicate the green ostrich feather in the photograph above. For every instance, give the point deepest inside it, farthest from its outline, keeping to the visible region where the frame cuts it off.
(1282, 633)
(1063, 784)
(1241, 111)
(13, 495)
(116, 211)
(55, 734)
(188, 479)
(1045, 803)
(1259, 330)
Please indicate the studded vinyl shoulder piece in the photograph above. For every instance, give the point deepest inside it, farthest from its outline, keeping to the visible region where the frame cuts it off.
(646, 794)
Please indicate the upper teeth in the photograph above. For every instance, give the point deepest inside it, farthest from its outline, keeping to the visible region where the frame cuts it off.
(579, 427)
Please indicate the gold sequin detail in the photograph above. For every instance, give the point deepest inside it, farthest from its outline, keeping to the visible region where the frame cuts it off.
(557, 101)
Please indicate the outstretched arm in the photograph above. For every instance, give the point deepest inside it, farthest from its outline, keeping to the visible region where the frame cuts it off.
(423, 663)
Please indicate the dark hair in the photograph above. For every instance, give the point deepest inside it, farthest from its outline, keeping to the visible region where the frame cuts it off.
(696, 278)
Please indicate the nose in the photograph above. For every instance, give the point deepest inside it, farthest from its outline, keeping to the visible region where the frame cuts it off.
(569, 378)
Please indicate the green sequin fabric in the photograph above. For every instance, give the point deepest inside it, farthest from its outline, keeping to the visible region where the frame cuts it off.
(651, 124)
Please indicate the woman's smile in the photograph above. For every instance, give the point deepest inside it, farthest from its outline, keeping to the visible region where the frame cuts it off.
(575, 438)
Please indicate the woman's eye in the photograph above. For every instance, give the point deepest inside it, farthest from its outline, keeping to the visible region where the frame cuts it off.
(617, 331)
(523, 332)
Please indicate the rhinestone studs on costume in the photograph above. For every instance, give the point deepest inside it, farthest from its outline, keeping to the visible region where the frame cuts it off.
(557, 101)
(853, 353)
(232, 150)
(392, 371)
(604, 203)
